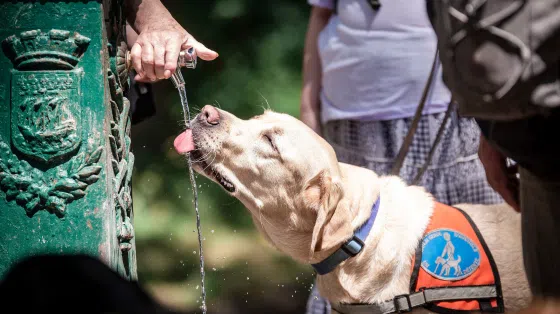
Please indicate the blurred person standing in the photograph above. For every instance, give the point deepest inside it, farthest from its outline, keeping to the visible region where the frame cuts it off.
(505, 73)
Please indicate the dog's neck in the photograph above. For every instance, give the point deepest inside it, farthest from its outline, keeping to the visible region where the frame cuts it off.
(355, 206)
(386, 258)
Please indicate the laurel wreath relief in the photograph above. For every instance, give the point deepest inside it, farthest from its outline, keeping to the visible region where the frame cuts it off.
(122, 160)
(30, 189)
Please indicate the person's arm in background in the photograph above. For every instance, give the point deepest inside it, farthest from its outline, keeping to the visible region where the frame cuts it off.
(160, 39)
(310, 106)
(501, 177)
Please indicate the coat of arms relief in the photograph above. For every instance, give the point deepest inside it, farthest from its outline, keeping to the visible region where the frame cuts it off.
(46, 124)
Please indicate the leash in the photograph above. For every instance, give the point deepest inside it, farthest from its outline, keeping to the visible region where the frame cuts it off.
(403, 151)
(439, 134)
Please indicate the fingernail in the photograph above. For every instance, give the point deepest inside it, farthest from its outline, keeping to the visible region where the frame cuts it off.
(167, 74)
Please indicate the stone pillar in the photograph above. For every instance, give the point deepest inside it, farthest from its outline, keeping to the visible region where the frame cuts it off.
(65, 159)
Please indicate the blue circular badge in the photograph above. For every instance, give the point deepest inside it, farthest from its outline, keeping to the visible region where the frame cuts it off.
(449, 255)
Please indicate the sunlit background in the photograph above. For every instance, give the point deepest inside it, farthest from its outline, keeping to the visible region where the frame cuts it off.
(260, 45)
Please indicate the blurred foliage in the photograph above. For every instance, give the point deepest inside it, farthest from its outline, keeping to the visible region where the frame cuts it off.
(260, 45)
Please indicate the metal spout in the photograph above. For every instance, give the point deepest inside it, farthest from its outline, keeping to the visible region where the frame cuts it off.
(187, 59)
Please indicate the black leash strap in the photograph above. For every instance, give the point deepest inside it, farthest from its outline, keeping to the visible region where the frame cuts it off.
(399, 160)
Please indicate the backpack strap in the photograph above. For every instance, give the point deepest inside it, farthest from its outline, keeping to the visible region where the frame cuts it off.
(407, 302)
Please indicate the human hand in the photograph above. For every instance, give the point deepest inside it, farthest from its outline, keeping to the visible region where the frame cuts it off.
(156, 50)
(501, 177)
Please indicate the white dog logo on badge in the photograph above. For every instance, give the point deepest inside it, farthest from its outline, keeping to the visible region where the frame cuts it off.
(449, 255)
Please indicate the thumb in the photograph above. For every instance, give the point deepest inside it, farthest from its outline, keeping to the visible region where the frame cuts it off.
(201, 50)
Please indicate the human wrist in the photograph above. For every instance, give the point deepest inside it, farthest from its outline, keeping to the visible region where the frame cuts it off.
(150, 15)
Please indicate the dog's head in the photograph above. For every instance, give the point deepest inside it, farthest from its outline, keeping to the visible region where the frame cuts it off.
(283, 172)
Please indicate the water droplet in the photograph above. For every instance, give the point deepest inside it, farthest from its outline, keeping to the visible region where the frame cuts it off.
(297, 278)
(194, 252)
(196, 287)
(247, 278)
(213, 268)
(212, 231)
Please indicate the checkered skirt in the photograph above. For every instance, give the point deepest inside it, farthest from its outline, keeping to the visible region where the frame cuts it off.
(455, 174)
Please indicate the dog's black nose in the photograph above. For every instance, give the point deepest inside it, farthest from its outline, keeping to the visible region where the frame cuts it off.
(209, 115)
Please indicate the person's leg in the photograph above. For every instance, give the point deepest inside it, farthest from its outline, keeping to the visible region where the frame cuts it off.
(540, 206)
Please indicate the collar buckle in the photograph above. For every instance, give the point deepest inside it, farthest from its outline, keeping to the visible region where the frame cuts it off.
(353, 246)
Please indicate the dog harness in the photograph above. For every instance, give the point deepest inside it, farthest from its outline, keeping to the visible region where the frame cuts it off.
(452, 271)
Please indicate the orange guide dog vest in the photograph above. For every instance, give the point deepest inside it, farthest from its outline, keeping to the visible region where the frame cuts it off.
(452, 260)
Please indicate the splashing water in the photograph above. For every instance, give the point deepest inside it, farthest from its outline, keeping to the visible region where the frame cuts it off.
(180, 84)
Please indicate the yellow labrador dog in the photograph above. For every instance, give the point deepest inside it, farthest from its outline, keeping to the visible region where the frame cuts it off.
(307, 204)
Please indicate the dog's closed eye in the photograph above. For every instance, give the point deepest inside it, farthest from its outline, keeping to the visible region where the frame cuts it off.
(270, 141)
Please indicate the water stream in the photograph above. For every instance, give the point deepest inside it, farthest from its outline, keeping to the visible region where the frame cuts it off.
(180, 84)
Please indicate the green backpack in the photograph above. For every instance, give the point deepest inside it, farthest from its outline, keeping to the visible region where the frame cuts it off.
(500, 58)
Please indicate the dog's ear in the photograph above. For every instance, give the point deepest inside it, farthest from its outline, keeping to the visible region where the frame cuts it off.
(322, 194)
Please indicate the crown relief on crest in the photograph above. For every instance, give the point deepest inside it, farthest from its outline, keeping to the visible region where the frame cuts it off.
(53, 50)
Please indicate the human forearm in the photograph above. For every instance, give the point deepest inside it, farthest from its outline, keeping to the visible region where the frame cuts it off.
(146, 14)
(310, 106)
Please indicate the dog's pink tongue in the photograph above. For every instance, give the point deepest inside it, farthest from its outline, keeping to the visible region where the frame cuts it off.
(184, 142)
